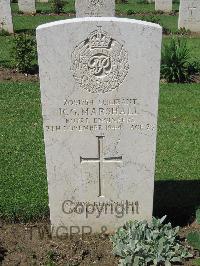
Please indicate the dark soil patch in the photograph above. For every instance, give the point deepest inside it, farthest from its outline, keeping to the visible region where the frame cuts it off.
(12, 75)
(190, 228)
(30, 244)
(2, 254)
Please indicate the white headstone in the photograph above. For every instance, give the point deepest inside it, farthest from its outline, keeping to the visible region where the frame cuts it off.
(27, 6)
(100, 103)
(95, 8)
(163, 5)
(189, 15)
(6, 16)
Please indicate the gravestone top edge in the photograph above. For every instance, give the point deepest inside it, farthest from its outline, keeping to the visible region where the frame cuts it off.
(98, 19)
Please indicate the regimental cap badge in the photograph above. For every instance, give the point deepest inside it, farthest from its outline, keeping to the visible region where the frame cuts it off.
(99, 39)
(99, 63)
(94, 4)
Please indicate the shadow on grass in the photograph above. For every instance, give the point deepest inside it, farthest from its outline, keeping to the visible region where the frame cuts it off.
(177, 199)
(5, 63)
(3, 252)
(27, 31)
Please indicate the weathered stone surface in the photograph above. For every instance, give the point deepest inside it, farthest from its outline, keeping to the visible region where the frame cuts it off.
(189, 15)
(95, 8)
(100, 103)
(163, 5)
(6, 16)
(27, 6)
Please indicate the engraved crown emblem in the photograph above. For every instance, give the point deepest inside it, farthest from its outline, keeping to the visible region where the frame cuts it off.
(99, 63)
(99, 39)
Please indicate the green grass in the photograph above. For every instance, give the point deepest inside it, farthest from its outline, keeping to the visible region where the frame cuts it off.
(29, 23)
(178, 133)
(134, 5)
(25, 23)
(47, 7)
(5, 51)
(193, 239)
(196, 262)
(141, 10)
(198, 214)
(193, 45)
(139, 7)
(6, 43)
(23, 190)
(169, 22)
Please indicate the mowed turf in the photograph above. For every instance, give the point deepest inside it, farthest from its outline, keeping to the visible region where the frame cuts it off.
(136, 5)
(6, 44)
(178, 143)
(144, 11)
(28, 23)
(23, 190)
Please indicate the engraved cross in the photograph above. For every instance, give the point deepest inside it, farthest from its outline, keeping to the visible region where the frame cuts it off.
(191, 9)
(101, 160)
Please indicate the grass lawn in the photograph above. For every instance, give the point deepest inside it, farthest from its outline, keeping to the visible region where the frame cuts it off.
(24, 23)
(134, 5)
(5, 51)
(23, 177)
(6, 43)
(178, 133)
(139, 9)
(47, 7)
(23, 190)
(166, 21)
(29, 23)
